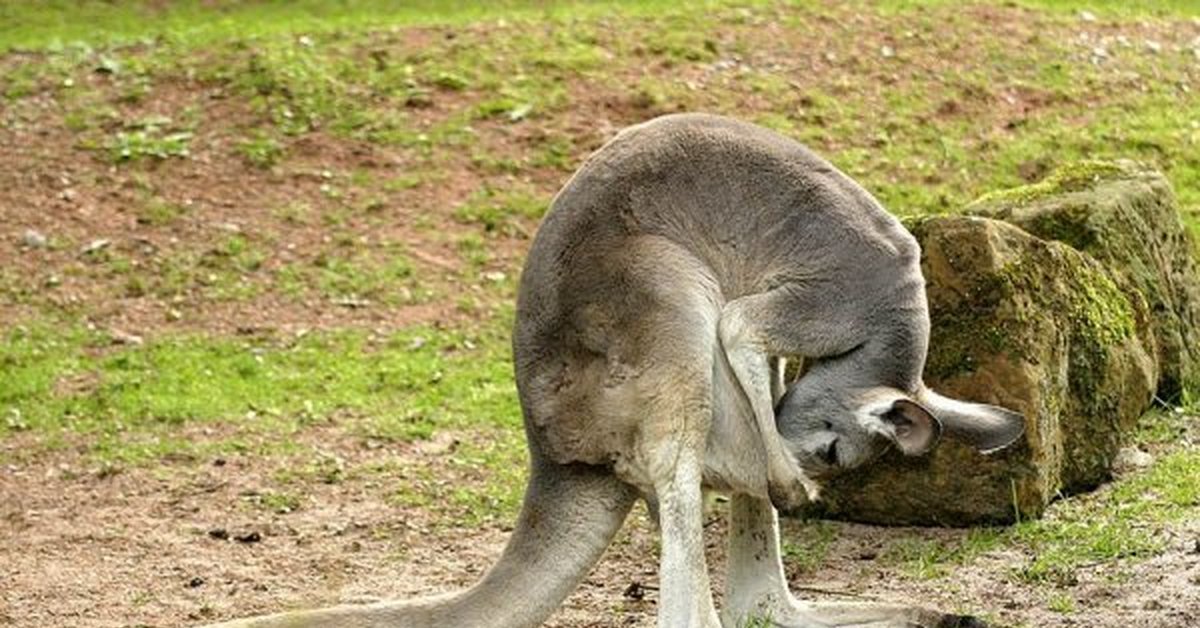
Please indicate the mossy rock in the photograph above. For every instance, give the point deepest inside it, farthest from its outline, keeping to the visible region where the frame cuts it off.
(1028, 324)
(1125, 216)
(1072, 177)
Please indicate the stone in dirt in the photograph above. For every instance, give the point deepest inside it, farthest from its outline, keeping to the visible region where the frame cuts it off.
(1132, 459)
(1078, 319)
(33, 239)
(249, 537)
(1125, 216)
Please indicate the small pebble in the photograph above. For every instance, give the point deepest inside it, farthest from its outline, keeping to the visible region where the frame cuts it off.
(123, 338)
(635, 591)
(33, 239)
(1131, 458)
(96, 245)
(249, 537)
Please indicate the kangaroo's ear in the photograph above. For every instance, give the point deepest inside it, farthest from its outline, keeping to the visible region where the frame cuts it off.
(986, 428)
(911, 427)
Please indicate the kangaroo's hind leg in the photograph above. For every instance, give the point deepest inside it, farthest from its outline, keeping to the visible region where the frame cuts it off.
(669, 340)
(675, 406)
(675, 462)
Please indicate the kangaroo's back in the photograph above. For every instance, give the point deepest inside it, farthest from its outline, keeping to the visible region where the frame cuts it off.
(667, 222)
(747, 202)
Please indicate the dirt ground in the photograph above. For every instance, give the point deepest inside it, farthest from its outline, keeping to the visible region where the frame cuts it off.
(182, 544)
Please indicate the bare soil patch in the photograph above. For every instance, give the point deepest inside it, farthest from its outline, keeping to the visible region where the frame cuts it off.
(190, 541)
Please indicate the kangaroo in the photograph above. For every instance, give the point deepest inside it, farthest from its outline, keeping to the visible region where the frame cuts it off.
(673, 276)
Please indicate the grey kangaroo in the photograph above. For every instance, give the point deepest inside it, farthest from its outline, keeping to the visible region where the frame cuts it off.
(674, 274)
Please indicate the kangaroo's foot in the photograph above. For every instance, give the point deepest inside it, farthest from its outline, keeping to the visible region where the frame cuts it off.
(786, 612)
(757, 594)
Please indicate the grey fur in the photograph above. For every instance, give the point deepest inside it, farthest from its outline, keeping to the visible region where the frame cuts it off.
(673, 273)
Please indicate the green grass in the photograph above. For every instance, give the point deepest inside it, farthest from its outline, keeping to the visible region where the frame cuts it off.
(38, 24)
(279, 503)
(494, 470)
(119, 402)
(1100, 8)
(26, 24)
(1120, 523)
(1062, 603)
(261, 150)
(925, 558)
(757, 622)
(921, 142)
(495, 210)
(807, 548)
(1117, 524)
(159, 212)
(141, 144)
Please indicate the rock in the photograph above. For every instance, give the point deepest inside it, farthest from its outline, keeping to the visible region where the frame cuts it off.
(95, 246)
(33, 239)
(1125, 216)
(249, 537)
(124, 338)
(1131, 459)
(1028, 324)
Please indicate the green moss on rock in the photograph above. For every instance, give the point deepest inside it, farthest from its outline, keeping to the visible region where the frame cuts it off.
(1071, 177)
(1127, 219)
(1099, 312)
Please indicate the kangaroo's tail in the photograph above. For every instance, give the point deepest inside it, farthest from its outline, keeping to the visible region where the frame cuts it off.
(570, 515)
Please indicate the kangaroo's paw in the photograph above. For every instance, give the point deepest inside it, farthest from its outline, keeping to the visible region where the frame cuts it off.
(789, 613)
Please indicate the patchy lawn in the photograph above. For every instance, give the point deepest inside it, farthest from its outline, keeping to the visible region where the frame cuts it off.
(259, 259)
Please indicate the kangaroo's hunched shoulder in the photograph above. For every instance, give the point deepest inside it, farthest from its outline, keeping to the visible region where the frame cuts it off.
(753, 205)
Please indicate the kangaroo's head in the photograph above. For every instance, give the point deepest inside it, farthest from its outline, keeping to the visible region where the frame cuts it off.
(834, 423)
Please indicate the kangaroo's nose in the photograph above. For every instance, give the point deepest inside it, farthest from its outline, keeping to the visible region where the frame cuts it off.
(829, 455)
